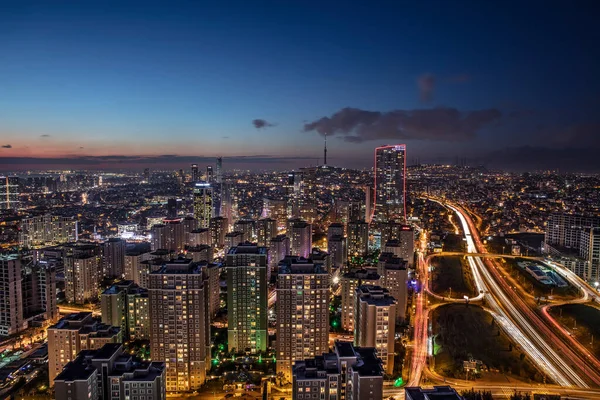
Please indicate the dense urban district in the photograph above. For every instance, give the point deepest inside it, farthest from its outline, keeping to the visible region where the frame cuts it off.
(416, 282)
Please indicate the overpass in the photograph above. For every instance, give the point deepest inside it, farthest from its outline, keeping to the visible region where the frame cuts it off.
(482, 255)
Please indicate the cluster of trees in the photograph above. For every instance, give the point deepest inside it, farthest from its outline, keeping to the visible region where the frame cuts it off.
(487, 395)
(480, 395)
(466, 332)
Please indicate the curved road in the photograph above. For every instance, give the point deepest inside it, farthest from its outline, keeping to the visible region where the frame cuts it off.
(528, 329)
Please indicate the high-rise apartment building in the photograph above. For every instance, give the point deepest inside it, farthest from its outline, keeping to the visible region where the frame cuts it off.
(47, 230)
(125, 305)
(234, 238)
(302, 312)
(74, 333)
(300, 234)
(275, 209)
(219, 170)
(180, 326)
(11, 298)
(403, 245)
(203, 203)
(172, 234)
(358, 238)
(133, 260)
(394, 277)
(375, 322)
(199, 253)
(390, 183)
(335, 229)
(336, 247)
(589, 250)
(246, 227)
(247, 298)
(563, 231)
(219, 227)
(195, 176)
(198, 237)
(113, 257)
(39, 292)
(212, 272)
(210, 177)
(83, 275)
(350, 281)
(266, 229)
(9, 192)
(279, 247)
(109, 373)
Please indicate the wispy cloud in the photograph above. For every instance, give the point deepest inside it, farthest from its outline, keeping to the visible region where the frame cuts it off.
(7, 146)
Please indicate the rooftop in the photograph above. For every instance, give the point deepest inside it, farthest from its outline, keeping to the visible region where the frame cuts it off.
(436, 393)
(368, 363)
(247, 248)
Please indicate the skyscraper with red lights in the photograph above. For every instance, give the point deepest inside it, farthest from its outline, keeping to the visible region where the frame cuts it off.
(390, 183)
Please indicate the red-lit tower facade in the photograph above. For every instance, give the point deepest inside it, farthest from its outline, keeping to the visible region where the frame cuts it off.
(390, 184)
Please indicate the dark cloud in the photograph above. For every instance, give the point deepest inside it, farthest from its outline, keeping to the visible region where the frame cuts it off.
(81, 147)
(426, 84)
(224, 137)
(7, 146)
(45, 136)
(440, 124)
(261, 123)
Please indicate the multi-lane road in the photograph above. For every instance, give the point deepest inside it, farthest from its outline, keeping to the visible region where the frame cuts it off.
(567, 365)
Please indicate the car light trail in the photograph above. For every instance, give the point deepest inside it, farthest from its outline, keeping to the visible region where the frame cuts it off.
(508, 317)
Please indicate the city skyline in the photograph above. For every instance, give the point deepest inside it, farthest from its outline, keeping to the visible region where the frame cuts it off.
(131, 87)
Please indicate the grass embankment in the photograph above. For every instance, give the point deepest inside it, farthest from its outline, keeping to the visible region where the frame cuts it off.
(583, 322)
(452, 272)
(452, 242)
(465, 332)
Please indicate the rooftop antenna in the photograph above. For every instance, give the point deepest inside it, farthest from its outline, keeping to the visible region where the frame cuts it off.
(325, 151)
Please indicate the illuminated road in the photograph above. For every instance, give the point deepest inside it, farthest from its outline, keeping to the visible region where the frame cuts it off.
(421, 327)
(518, 320)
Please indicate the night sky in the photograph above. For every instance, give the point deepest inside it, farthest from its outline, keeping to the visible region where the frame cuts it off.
(512, 85)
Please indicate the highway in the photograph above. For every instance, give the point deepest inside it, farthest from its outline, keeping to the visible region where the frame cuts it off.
(421, 318)
(522, 324)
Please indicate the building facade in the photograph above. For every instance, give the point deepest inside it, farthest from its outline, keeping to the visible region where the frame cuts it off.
(47, 230)
(247, 298)
(111, 374)
(74, 333)
(203, 203)
(179, 323)
(375, 322)
(11, 297)
(390, 183)
(302, 312)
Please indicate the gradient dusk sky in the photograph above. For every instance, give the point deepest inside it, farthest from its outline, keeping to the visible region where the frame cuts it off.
(509, 84)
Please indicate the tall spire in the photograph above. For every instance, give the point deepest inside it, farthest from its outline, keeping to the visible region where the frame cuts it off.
(325, 151)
